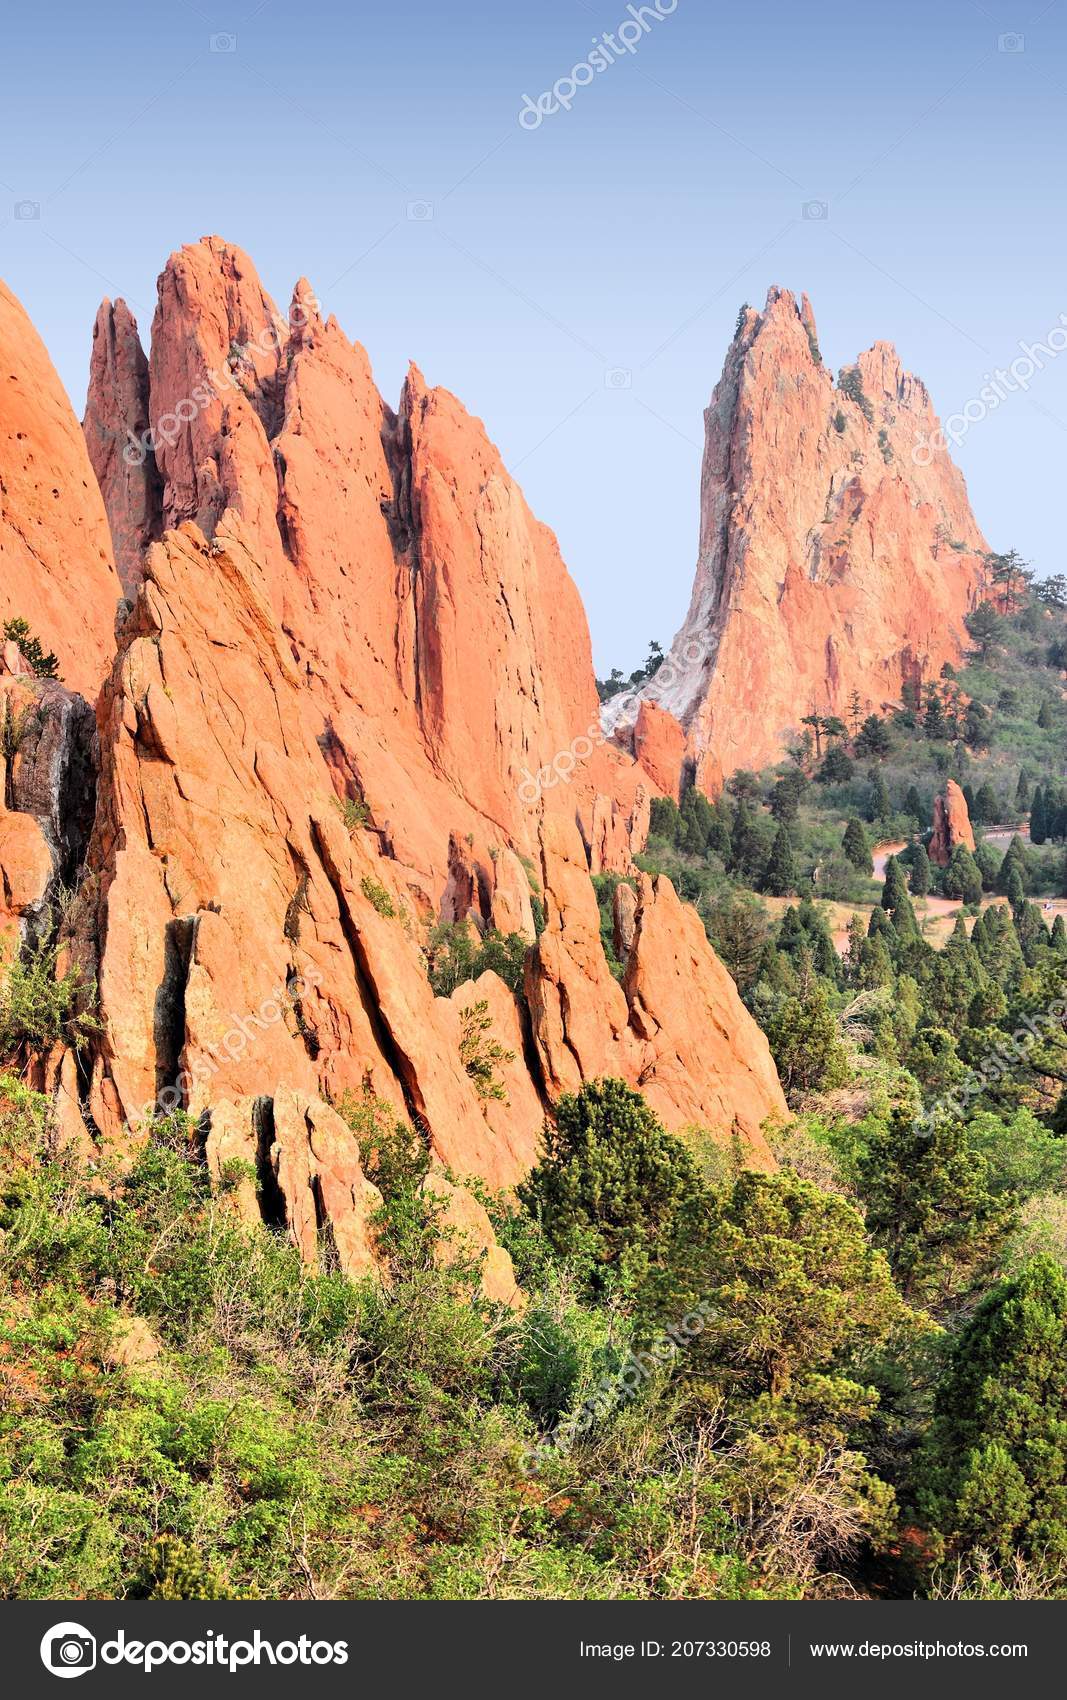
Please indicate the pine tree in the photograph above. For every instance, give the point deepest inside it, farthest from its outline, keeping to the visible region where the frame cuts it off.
(856, 847)
(780, 874)
(994, 1458)
(1014, 858)
(1038, 820)
(913, 806)
(880, 805)
(1022, 791)
(805, 1042)
(609, 1183)
(922, 877)
(961, 878)
(930, 1204)
(934, 722)
(986, 808)
(894, 891)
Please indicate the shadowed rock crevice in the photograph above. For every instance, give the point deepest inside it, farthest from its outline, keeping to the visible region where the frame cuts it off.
(169, 1013)
(269, 1193)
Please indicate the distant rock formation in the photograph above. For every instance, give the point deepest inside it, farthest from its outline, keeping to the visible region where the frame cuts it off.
(952, 825)
(838, 552)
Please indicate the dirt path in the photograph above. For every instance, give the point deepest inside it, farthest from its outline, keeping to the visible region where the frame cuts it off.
(937, 915)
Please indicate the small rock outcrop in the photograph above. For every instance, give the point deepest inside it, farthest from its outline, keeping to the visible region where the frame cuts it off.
(676, 1028)
(952, 825)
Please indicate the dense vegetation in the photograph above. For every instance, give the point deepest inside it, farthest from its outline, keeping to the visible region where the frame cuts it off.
(846, 1377)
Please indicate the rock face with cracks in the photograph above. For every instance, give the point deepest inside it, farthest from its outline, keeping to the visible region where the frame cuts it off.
(348, 693)
(57, 567)
(838, 552)
(426, 608)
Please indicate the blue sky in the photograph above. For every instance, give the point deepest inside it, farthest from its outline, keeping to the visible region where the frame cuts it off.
(576, 283)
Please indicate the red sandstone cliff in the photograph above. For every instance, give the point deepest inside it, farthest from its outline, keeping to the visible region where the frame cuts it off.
(826, 560)
(333, 600)
(429, 612)
(56, 562)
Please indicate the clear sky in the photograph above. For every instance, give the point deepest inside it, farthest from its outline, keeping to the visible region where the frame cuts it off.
(578, 279)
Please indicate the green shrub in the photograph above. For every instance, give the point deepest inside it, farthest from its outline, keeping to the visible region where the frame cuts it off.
(46, 666)
(377, 895)
(480, 1055)
(354, 812)
(40, 1008)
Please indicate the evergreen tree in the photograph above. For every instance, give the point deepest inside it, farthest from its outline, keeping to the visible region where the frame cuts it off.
(785, 798)
(780, 874)
(994, 1460)
(665, 820)
(1022, 791)
(894, 891)
(922, 877)
(985, 804)
(836, 767)
(748, 848)
(1014, 859)
(930, 1204)
(935, 724)
(609, 1184)
(987, 861)
(880, 807)
(961, 878)
(856, 847)
(1038, 822)
(805, 1042)
(986, 627)
(913, 806)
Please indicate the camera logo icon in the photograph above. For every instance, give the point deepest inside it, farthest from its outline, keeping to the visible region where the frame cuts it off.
(1011, 43)
(27, 209)
(817, 210)
(224, 42)
(618, 378)
(419, 211)
(68, 1650)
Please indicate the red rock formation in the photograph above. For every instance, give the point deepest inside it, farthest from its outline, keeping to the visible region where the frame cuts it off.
(56, 563)
(826, 563)
(430, 613)
(676, 1028)
(952, 825)
(118, 436)
(659, 745)
(370, 611)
